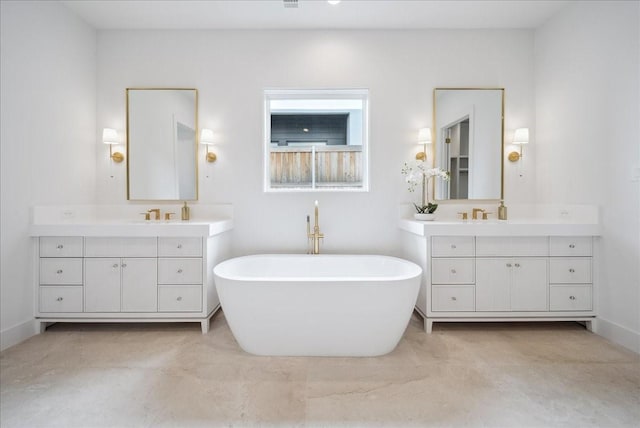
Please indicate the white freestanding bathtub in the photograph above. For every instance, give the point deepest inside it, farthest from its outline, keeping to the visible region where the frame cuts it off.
(317, 305)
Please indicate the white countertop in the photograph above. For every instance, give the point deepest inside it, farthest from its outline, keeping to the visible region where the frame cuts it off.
(524, 220)
(104, 221)
(523, 227)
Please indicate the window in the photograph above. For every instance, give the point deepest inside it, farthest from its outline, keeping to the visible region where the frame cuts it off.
(316, 140)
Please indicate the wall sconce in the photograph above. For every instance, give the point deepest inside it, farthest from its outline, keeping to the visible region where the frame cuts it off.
(520, 137)
(206, 138)
(110, 137)
(424, 138)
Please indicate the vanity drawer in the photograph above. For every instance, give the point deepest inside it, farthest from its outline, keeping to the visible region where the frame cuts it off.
(570, 270)
(571, 297)
(452, 246)
(570, 246)
(63, 246)
(452, 271)
(490, 246)
(179, 247)
(121, 247)
(453, 298)
(61, 298)
(61, 271)
(179, 271)
(179, 298)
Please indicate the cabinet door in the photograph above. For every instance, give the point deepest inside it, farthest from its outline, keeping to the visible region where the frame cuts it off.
(102, 285)
(493, 278)
(139, 285)
(529, 285)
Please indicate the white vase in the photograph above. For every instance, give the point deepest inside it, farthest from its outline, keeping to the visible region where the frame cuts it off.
(424, 217)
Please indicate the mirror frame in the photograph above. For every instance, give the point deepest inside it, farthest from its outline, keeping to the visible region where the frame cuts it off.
(435, 140)
(196, 142)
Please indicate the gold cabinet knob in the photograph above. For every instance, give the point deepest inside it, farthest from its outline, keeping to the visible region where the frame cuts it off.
(167, 216)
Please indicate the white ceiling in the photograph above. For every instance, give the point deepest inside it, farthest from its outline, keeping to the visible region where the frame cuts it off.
(314, 14)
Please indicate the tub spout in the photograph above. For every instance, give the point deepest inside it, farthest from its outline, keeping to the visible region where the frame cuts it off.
(316, 236)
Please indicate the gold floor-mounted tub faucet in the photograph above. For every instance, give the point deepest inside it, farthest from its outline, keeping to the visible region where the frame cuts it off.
(316, 236)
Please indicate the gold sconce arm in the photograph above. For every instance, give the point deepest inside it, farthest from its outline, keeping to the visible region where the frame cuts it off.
(211, 157)
(117, 157)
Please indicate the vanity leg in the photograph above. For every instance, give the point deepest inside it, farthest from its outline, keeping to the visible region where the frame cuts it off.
(428, 325)
(42, 326)
(591, 325)
(205, 326)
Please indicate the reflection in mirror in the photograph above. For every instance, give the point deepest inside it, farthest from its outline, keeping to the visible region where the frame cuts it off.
(468, 142)
(161, 144)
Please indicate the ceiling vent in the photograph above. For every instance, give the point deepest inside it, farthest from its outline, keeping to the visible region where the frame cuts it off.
(290, 4)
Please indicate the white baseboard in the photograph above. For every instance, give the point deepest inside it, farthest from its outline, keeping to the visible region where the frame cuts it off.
(16, 334)
(618, 334)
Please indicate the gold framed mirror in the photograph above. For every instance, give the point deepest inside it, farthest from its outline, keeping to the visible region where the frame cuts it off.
(469, 143)
(162, 144)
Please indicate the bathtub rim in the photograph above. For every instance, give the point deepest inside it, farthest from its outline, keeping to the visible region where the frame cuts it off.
(414, 270)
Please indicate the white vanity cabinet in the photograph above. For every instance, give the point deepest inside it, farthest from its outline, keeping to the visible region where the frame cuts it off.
(497, 272)
(179, 275)
(121, 285)
(60, 275)
(506, 283)
(128, 279)
(571, 274)
(120, 274)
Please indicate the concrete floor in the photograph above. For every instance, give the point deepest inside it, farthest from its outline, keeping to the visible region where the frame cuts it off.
(156, 375)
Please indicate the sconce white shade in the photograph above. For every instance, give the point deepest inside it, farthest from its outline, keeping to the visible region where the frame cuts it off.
(521, 136)
(110, 136)
(424, 136)
(206, 136)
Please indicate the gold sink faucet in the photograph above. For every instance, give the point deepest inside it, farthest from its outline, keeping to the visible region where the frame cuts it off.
(474, 213)
(316, 236)
(156, 211)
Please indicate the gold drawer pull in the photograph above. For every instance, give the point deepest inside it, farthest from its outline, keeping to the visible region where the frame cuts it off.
(59, 271)
(572, 297)
(572, 246)
(572, 270)
(60, 247)
(60, 299)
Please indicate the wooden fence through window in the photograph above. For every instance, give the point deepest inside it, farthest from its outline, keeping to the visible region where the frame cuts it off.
(335, 166)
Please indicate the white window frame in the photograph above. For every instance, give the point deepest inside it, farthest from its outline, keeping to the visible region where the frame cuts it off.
(315, 94)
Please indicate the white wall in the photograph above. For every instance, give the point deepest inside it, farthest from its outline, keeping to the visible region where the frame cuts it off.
(587, 122)
(48, 137)
(231, 69)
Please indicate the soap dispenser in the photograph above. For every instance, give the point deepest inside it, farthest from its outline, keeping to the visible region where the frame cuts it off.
(502, 211)
(186, 215)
